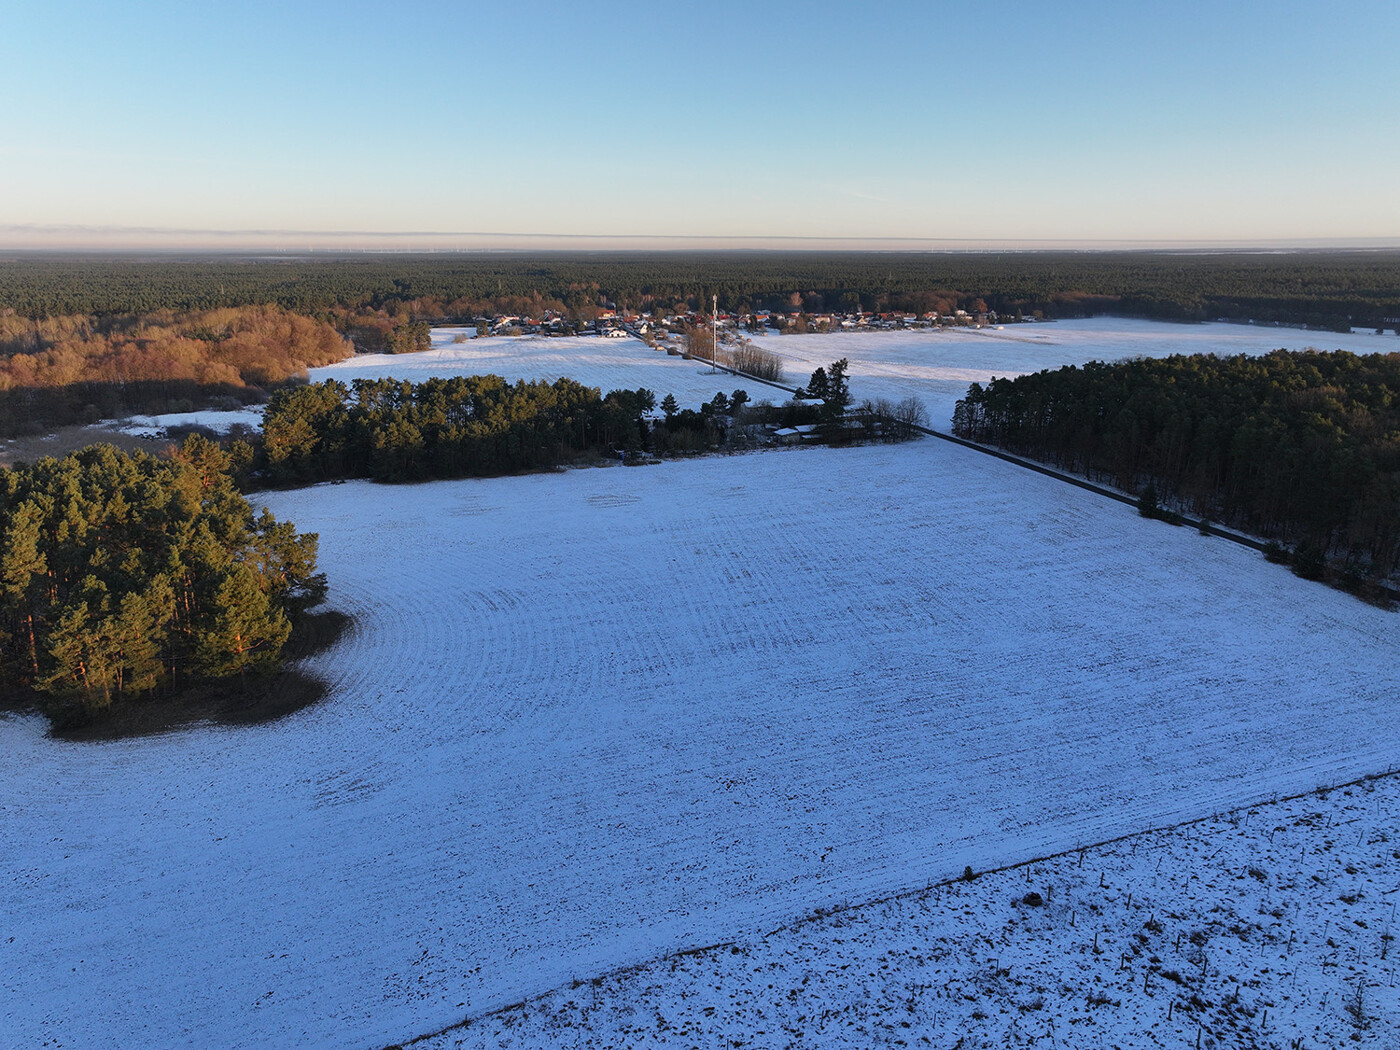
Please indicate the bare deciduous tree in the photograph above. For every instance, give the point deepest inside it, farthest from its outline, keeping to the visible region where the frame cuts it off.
(757, 362)
(700, 342)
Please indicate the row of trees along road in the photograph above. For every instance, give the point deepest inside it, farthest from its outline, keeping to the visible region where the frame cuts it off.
(1299, 446)
(123, 575)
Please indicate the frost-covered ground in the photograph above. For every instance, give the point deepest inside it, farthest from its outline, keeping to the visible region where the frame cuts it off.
(1272, 926)
(937, 365)
(588, 720)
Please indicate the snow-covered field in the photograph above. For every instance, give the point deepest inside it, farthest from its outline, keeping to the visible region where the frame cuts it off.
(609, 364)
(589, 719)
(1271, 926)
(937, 365)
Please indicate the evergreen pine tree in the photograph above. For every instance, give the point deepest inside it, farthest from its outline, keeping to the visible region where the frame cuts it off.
(1147, 501)
(242, 629)
(22, 566)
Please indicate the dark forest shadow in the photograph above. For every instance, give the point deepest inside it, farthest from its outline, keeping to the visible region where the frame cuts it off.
(255, 700)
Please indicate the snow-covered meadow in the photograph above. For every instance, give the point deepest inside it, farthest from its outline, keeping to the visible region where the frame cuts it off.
(937, 365)
(609, 364)
(590, 719)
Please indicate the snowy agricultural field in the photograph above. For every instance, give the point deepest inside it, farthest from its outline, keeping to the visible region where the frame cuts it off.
(590, 719)
(608, 364)
(937, 365)
(1264, 927)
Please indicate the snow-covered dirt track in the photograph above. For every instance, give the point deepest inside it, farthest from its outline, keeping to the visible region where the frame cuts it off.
(588, 719)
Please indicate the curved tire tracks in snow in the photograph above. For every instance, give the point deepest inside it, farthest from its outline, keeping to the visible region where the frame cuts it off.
(568, 736)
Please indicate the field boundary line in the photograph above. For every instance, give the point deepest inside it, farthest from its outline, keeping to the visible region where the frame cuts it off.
(823, 913)
(1039, 468)
(1200, 525)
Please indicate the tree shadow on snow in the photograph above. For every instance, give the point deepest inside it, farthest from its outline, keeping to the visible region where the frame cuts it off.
(254, 700)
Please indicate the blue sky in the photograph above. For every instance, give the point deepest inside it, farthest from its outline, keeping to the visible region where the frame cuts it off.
(969, 122)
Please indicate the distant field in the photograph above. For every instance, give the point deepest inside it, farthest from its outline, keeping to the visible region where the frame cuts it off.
(586, 719)
(937, 366)
(609, 364)
(933, 365)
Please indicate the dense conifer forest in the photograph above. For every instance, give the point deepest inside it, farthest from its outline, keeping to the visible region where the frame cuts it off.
(392, 430)
(1300, 446)
(1324, 289)
(131, 576)
(483, 426)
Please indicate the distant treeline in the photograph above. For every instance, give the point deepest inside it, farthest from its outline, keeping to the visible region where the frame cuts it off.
(391, 430)
(1323, 289)
(89, 338)
(484, 426)
(124, 575)
(80, 368)
(1303, 447)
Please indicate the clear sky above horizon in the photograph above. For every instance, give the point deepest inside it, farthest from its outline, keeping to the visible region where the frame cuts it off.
(1005, 121)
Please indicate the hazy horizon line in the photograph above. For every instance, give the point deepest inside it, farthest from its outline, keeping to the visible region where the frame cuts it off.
(84, 237)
